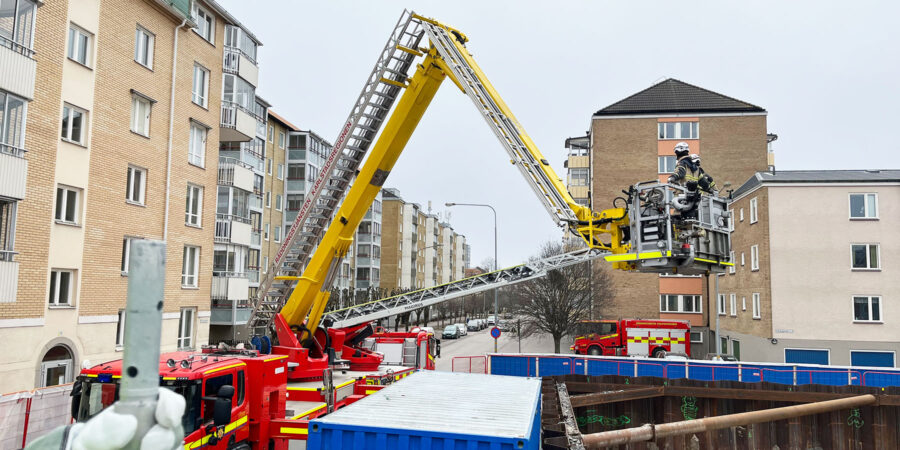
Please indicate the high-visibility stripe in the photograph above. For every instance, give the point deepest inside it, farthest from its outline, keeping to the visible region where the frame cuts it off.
(304, 389)
(205, 439)
(276, 358)
(625, 257)
(306, 413)
(345, 383)
(223, 368)
(371, 391)
(287, 430)
(656, 340)
(635, 256)
(721, 263)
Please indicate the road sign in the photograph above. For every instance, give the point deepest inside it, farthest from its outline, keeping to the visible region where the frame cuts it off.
(495, 332)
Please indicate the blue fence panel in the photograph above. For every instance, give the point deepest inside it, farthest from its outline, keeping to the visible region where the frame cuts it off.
(578, 365)
(751, 373)
(818, 375)
(610, 367)
(651, 369)
(777, 374)
(700, 371)
(675, 369)
(521, 366)
(549, 366)
(880, 378)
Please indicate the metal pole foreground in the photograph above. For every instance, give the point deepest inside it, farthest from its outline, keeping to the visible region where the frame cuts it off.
(651, 432)
(143, 318)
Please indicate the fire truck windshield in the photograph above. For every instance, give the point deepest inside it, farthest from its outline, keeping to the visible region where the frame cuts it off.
(96, 395)
(598, 328)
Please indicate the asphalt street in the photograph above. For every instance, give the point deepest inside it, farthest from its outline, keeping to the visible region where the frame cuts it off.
(480, 343)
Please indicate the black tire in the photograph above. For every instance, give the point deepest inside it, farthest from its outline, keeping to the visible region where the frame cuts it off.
(658, 353)
(595, 351)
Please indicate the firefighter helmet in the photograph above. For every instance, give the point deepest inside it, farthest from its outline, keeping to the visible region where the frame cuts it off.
(682, 149)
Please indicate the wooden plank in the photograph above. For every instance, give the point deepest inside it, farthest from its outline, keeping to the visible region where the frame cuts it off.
(618, 395)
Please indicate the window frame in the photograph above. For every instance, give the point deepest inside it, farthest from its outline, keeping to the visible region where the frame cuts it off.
(276, 234)
(865, 205)
(136, 121)
(53, 300)
(126, 253)
(757, 306)
(754, 258)
(693, 131)
(68, 116)
(732, 302)
(268, 199)
(203, 96)
(754, 210)
(64, 200)
(129, 185)
(271, 134)
(278, 201)
(868, 267)
(691, 337)
(76, 31)
(732, 269)
(660, 165)
(194, 191)
(281, 139)
(720, 306)
(120, 331)
(279, 172)
(190, 280)
(266, 228)
(586, 178)
(742, 214)
(869, 302)
(185, 341)
(696, 299)
(149, 50)
(195, 157)
(195, 13)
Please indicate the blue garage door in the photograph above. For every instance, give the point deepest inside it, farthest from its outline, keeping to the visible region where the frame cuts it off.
(804, 356)
(872, 359)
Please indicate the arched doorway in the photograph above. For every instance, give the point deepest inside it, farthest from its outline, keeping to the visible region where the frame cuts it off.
(57, 366)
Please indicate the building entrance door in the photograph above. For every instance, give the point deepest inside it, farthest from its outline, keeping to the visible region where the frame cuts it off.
(56, 367)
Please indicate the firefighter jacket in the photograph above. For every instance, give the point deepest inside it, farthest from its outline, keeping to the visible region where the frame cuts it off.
(689, 172)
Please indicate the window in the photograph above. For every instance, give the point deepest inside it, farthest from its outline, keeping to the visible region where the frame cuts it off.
(696, 337)
(753, 210)
(281, 140)
(73, 124)
(120, 330)
(863, 206)
(278, 202)
(12, 124)
(679, 130)
(866, 309)
(271, 134)
(143, 47)
(16, 25)
(724, 342)
(754, 257)
(268, 199)
(186, 328)
(757, 313)
(864, 256)
(277, 235)
(280, 172)
(666, 164)
(200, 89)
(140, 115)
(193, 205)
(742, 214)
(266, 232)
(731, 220)
(733, 302)
(743, 303)
(742, 258)
(721, 304)
(67, 205)
(136, 185)
(736, 349)
(680, 303)
(197, 145)
(126, 253)
(731, 268)
(80, 43)
(61, 282)
(189, 265)
(206, 23)
(269, 166)
(579, 176)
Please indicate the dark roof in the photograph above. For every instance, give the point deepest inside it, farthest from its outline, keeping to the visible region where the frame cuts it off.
(675, 96)
(819, 176)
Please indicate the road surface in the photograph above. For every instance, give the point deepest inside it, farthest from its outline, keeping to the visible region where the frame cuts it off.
(480, 342)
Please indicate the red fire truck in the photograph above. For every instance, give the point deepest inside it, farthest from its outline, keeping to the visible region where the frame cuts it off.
(240, 399)
(632, 337)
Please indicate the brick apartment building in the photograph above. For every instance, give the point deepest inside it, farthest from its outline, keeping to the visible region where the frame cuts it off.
(822, 241)
(632, 140)
(123, 126)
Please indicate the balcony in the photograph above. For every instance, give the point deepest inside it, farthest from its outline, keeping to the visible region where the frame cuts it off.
(232, 230)
(255, 240)
(253, 275)
(235, 173)
(256, 202)
(230, 299)
(17, 69)
(9, 277)
(236, 62)
(13, 171)
(238, 124)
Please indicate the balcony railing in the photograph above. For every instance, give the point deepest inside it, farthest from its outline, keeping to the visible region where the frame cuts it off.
(224, 226)
(232, 60)
(16, 47)
(7, 255)
(256, 201)
(12, 151)
(226, 169)
(255, 238)
(253, 275)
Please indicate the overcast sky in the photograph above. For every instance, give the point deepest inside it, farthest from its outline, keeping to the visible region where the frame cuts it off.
(827, 72)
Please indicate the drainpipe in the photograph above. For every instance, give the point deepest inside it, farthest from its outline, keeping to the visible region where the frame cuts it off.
(171, 130)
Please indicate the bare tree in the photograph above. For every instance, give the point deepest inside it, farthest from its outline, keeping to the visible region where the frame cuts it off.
(554, 304)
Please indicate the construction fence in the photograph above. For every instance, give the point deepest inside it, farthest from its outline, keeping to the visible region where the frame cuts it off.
(28, 415)
(540, 365)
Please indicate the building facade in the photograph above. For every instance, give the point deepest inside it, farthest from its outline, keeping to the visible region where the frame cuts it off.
(123, 127)
(823, 241)
(631, 141)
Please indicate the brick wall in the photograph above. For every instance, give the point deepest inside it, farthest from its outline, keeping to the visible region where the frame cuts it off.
(391, 237)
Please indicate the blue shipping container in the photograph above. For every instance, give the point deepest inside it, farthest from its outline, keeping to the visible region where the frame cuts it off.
(438, 410)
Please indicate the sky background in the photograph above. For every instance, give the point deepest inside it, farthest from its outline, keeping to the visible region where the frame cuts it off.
(827, 72)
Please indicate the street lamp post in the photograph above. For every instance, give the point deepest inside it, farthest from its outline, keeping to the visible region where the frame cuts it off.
(496, 297)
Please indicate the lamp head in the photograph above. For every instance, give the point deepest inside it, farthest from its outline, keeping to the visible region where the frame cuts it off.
(449, 204)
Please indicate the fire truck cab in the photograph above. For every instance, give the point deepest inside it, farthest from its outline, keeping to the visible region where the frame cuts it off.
(632, 337)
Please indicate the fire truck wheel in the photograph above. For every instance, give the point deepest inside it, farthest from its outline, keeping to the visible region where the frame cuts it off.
(659, 353)
(594, 351)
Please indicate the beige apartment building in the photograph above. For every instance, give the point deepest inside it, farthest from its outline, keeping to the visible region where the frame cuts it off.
(816, 268)
(122, 128)
(419, 250)
(631, 141)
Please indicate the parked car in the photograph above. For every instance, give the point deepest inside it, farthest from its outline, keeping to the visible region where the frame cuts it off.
(482, 324)
(462, 329)
(451, 332)
(473, 325)
(491, 320)
(506, 325)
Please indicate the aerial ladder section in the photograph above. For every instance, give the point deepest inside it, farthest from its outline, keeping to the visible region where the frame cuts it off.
(684, 244)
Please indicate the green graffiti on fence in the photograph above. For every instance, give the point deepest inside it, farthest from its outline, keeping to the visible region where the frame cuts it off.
(855, 420)
(609, 422)
(689, 408)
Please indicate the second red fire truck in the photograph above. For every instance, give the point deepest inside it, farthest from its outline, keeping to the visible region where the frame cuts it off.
(632, 337)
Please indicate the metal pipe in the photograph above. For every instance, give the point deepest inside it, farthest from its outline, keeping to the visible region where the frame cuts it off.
(171, 131)
(650, 432)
